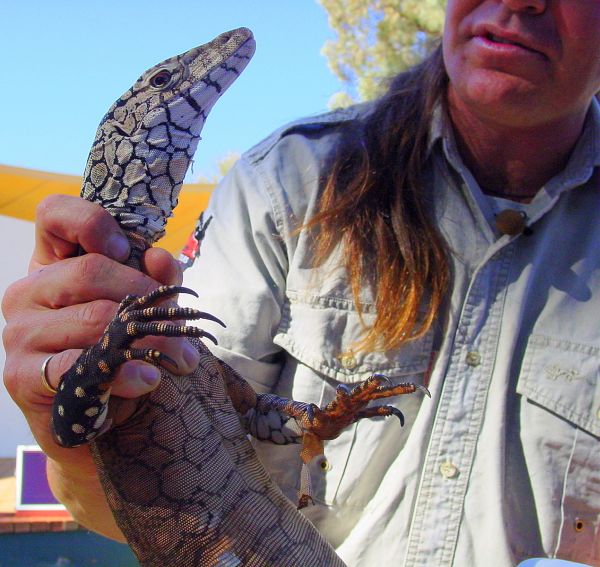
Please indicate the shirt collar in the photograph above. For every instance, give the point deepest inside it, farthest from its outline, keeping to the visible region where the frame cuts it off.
(438, 126)
(579, 169)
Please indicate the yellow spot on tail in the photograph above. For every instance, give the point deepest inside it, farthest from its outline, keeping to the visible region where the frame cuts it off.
(105, 342)
(91, 412)
(79, 392)
(77, 428)
(79, 369)
(105, 368)
(131, 329)
(61, 411)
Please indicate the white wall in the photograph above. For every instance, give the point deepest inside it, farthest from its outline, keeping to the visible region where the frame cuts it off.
(16, 243)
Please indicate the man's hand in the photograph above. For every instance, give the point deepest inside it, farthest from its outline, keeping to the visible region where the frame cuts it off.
(61, 307)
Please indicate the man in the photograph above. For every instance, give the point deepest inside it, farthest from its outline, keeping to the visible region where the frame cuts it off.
(504, 462)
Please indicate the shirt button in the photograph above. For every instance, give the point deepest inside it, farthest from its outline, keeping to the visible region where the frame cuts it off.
(473, 358)
(578, 525)
(448, 470)
(325, 465)
(511, 222)
(348, 361)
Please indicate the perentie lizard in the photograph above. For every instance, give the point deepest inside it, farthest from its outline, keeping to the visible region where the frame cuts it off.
(180, 475)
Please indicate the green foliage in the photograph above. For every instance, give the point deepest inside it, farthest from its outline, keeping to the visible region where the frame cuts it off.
(376, 39)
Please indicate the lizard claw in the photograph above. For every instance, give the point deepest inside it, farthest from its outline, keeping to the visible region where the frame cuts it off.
(343, 390)
(381, 378)
(162, 357)
(210, 337)
(310, 412)
(304, 501)
(209, 317)
(423, 389)
(182, 289)
(397, 413)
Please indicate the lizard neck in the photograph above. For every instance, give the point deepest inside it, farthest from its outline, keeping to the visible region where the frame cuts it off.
(138, 247)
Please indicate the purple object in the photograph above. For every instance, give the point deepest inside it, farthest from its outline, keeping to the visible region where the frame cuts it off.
(33, 492)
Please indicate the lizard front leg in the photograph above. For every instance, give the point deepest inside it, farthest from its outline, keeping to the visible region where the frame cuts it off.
(81, 404)
(287, 421)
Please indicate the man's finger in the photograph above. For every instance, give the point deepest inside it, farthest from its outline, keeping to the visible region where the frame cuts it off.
(65, 223)
(161, 266)
(86, 278)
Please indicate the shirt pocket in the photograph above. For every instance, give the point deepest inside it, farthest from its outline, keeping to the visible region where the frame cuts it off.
(560, 430)
(318, 333)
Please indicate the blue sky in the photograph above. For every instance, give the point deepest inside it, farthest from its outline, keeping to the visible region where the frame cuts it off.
(66, 61)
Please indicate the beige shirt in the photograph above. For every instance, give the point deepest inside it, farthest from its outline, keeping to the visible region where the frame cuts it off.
(503, 463)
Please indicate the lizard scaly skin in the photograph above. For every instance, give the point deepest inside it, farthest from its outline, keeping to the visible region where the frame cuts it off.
(180, 475)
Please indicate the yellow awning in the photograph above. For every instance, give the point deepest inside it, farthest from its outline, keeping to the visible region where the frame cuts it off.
(22, 189)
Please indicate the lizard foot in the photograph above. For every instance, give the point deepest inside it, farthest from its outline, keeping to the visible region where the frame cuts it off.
(81, 403)
(348, 406)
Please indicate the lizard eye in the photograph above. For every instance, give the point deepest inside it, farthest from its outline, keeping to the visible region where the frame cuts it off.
(160, 79)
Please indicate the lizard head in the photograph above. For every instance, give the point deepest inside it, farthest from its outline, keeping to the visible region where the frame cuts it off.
(182, 89)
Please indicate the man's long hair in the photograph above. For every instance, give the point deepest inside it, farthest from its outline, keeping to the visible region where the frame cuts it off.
(375, 203)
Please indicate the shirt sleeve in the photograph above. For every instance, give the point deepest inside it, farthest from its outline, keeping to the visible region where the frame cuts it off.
(240, 276)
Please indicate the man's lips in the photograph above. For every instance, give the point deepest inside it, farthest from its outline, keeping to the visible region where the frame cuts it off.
(497, 39)
(494, 35)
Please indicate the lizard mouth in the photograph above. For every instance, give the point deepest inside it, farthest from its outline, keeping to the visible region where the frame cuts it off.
(238, 44)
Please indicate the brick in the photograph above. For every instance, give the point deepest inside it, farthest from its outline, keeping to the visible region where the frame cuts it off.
(22, 527)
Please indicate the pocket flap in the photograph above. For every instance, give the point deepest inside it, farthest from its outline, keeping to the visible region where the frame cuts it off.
(562, 376)
(320, 332)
